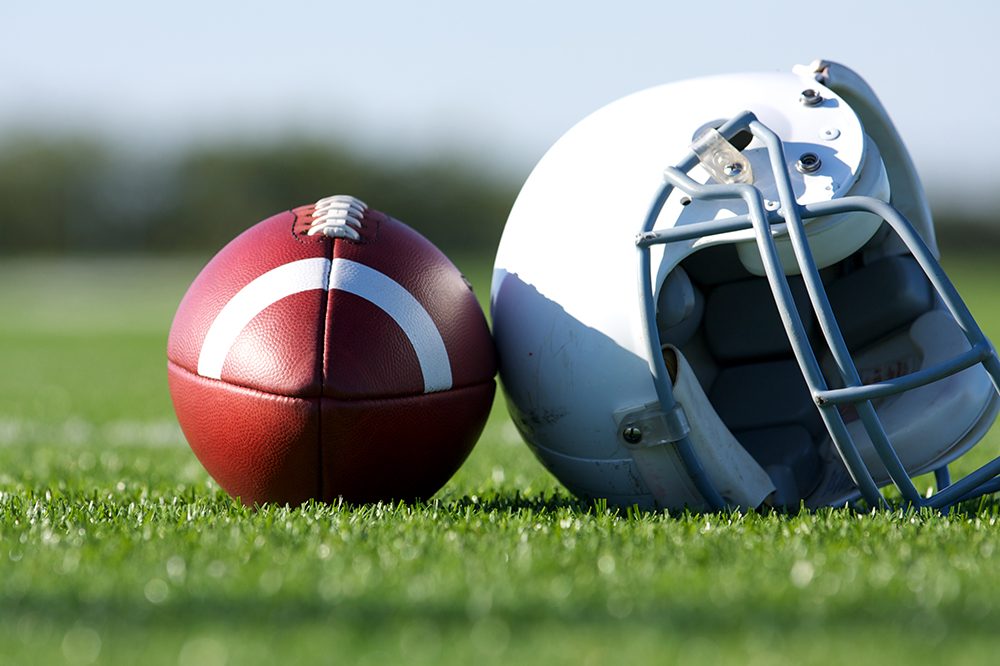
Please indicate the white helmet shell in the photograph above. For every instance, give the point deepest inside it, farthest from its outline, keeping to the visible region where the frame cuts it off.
(567, 321)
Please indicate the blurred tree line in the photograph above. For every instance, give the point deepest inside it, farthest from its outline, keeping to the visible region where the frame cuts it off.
(80, 195)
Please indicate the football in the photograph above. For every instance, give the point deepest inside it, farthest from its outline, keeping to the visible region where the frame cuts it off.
(330, 352)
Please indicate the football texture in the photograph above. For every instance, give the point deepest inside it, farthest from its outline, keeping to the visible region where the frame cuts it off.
(330, 352)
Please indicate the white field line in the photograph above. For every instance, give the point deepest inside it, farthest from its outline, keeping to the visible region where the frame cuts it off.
(14, 432)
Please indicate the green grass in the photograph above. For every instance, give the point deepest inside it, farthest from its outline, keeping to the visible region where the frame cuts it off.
(117, 548)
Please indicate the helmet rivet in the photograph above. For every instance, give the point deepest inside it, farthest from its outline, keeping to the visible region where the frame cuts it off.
(808, 163)
(632, 435)
(733, 169)
(810, 98)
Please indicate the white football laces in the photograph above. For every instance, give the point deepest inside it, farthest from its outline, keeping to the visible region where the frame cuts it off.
(338, 216)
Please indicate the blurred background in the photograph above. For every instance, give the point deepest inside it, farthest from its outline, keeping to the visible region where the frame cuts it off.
(167, 128)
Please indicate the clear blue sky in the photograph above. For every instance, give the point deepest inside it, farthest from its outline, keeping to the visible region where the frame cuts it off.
(496, 82)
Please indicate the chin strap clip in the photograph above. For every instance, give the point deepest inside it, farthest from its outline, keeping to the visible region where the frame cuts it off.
(721, 159)
(650, 426)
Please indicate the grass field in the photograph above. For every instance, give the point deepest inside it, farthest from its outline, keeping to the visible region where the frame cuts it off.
(117, 548)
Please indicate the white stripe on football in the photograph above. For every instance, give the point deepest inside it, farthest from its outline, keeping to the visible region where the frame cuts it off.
(340, 274)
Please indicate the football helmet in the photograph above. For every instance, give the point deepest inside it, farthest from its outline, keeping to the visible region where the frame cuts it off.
(724, 293)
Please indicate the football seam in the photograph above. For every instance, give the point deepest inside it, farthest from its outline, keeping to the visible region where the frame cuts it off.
(322, 385)
(402, 396)
(331, 251)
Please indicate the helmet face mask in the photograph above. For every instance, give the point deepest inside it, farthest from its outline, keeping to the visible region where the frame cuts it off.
(790, 337)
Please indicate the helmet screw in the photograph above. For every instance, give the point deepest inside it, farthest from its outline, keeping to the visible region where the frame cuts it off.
(733, 169)
(810, 98)
(632, 435)
(808, 163)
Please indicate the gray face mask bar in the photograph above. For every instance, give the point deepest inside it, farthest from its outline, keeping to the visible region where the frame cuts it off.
(980, 482)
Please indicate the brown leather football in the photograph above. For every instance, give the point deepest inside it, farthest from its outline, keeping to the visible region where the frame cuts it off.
(330, 351)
